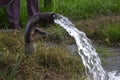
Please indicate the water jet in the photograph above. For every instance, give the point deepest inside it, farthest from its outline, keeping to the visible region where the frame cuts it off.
(90, 58)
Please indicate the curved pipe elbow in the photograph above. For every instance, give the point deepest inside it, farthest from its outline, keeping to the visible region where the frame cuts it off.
(33, 21)
(31, 25)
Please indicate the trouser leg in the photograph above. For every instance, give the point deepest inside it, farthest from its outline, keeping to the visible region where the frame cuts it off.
(4, 2)
(13, 11)
(33, 7)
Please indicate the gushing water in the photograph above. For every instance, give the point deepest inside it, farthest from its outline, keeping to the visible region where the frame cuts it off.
(91, 61)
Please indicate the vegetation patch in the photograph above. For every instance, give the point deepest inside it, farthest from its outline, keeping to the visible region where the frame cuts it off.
(73, 9)
(108, 32)
(99, 20)
(52, 62)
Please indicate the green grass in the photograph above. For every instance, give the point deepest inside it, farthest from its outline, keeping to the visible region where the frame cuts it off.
(51, 61)
(86, 8)
(56, 34)
(76, 9)
(3, 18)
(14, 71)
(113, 32)
(102, 51)
(109, 33)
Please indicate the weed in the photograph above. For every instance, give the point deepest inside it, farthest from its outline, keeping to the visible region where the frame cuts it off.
(108, 33)
(14, 71)
(52, 61)
(113, 32)
(73, 8)
(103, 51)
(57, 34)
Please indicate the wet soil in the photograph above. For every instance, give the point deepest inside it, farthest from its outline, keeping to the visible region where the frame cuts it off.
(112, 63)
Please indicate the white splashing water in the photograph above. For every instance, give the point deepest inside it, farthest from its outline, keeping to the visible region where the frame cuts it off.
(91, 61)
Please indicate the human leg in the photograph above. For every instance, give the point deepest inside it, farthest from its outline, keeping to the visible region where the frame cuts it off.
(33, 7)
(13, 11)
(4, 2)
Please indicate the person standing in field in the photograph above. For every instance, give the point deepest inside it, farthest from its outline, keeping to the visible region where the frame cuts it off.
(13, 12)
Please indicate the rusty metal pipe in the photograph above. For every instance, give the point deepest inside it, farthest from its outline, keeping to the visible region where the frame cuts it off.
(31, 27)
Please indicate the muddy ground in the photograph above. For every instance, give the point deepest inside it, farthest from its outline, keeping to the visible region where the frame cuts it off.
(113, 62)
